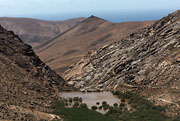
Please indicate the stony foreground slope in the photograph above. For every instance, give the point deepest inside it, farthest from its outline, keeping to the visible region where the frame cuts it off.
(69, 47)
(147, 61)
(26, 83)
(36, 31)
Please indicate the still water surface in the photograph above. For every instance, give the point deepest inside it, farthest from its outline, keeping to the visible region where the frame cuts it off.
(92, 98)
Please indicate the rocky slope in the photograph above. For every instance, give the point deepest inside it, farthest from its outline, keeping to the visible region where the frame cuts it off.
(147, 61)
(69, 47)
(27, 85)
(36, 31)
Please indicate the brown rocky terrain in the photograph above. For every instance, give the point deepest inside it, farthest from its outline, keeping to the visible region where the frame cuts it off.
(147, 61)
(27, 85)
(34, 31)
(69, 47)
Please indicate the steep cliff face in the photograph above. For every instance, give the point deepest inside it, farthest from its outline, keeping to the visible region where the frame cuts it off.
(25, 80)
(147, 58)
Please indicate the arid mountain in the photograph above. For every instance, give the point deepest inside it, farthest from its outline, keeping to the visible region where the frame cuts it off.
(147, 61)
(35, 31)
(27, 85)
(69, 47)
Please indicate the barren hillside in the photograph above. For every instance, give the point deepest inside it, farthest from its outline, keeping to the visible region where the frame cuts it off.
(36, 31)
(92, 33)
(147, 61)
(27, 85)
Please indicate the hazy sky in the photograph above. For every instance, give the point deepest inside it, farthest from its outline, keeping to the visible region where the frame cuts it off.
(47, 7)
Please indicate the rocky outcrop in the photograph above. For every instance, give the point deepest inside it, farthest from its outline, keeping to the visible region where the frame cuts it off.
(149, 58)
(24, 57)
(25, 81)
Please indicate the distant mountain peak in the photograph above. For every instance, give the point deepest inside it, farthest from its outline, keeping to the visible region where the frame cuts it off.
(94, 18)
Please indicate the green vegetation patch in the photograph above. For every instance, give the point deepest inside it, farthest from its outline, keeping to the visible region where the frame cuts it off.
(144, 110)
(140, 109)
(81, 114)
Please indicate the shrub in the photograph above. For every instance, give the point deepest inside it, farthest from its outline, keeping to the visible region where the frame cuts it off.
(98, 90)
(80, 99)
(70, 100)
(160, 108)
(94, 107)
(134, 105)
(66, 104)
(115, 105)
(83, 105)
(113, 110)
(122, 105)
(76, 99)
(125, 109)
(115, 92)
(106, 106)
(100, 107)
(122, 100)
(58, 104)
(131, 110)
(120, 108)
(76, 104)
(97, 103)
(104, 103)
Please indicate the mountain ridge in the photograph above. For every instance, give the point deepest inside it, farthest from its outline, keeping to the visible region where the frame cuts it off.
(89, 34)
(35, 31)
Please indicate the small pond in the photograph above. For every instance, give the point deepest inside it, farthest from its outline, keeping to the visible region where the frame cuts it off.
(91, 98)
